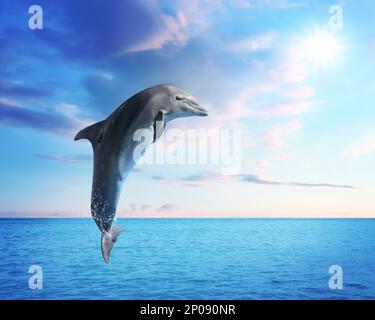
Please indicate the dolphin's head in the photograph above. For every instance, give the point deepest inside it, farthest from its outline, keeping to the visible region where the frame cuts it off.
(178, 103)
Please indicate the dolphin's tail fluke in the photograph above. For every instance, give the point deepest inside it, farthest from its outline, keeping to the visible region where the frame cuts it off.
(108, 240)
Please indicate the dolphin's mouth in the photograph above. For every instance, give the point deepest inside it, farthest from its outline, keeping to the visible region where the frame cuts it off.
(198, 110)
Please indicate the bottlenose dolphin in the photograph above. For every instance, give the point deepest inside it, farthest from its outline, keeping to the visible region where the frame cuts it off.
(113, 145)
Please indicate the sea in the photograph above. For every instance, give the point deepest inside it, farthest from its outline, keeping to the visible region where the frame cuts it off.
(189, 259)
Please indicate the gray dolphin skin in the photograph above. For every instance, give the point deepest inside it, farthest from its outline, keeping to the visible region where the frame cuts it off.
(114, 144)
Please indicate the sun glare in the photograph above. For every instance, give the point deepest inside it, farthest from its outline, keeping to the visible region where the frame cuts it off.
(321, 48)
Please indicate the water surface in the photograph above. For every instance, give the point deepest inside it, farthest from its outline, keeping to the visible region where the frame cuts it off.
(189, 259)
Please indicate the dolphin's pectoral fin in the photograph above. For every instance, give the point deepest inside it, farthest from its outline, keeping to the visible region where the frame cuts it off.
(93, 133)
(108, 240)
(159, 125)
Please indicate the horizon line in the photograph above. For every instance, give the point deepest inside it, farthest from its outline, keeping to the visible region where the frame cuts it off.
(204, 217)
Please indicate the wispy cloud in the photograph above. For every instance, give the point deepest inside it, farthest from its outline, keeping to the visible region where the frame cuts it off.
(273, 4)
(259, 180)
(147, 210)
(283, 109)
(300, 92)
(17, 89)
(274, 138)
(184, 21)
(173, 30)
(146, 207)
(74, 158)
(204, 177)
(167, 208)
(292, 66)
(13, 115)
(362, 147)
(255, 43)
(115, 27)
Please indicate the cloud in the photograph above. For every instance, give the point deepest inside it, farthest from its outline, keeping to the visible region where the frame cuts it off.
(91, 30)
(74, 158)
(239, 105)
(250, 103)
(173, 30)
(274, 137)
(177, 23)
(362, 147)
(273, 4)
(145, 207)
(16, 89)
(204, 177)
(255, 43)
(167, 208)
(259, 180)
(283, 109)
(262, 164)
(147, 210)
(292, 66)
(196, 180)
(300, 92)
(278, 91)
(12, 115)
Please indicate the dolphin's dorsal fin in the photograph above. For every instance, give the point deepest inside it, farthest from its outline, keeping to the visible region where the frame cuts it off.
(159, 125)
(93, 133)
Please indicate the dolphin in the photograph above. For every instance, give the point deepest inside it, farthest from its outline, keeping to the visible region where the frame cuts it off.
(114, 147)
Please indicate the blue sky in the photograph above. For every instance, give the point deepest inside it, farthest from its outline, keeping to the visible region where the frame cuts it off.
(300, 92)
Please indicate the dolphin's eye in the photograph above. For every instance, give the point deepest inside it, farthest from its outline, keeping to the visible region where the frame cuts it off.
(179, 98)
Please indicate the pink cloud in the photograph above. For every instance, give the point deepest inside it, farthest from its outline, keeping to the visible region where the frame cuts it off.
(203, 178)
(362, 147)
(284, 109)
(260, 166)
(274, 4)
(137, 210)
(274, 137)
(292, 67)
(197, 180)
(173, 30)
(167, 208)
(191, 18)
(238, 106)
(146, 207)
(300, 92)
(256, 43)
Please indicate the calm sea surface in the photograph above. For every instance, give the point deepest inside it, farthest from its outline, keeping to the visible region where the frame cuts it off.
(189, 259)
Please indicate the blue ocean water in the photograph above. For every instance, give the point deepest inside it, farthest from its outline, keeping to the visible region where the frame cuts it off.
(189, 259)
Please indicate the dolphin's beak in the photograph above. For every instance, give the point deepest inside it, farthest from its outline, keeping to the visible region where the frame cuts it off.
(199, 111)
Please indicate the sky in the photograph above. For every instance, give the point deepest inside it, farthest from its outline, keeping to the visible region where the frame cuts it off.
(295, 79)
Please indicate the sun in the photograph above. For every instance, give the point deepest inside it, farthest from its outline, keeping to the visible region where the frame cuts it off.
(321, 48)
